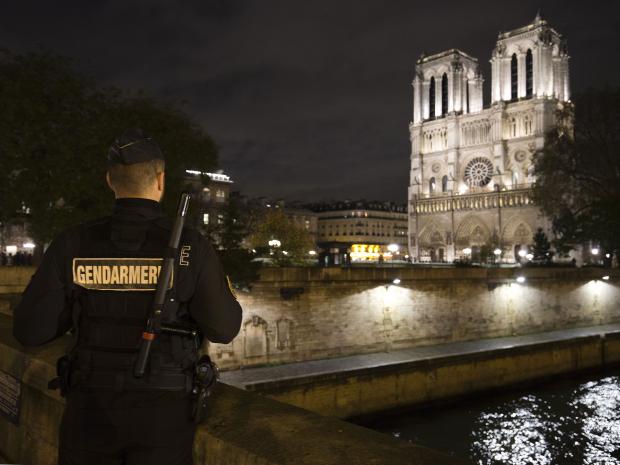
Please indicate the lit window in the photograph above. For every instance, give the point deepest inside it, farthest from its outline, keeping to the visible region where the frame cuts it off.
(205, 218)
(220, 219)
(220, 195)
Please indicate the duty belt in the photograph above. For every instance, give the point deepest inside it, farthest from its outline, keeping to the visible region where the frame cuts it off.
(124, 381)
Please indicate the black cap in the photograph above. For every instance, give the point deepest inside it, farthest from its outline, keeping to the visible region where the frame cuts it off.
(134, 146)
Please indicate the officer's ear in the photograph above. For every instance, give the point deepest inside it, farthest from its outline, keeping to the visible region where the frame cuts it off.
(107, 178)
(161, 179)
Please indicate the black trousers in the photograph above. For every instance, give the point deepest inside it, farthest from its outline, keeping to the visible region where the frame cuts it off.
(128, 428)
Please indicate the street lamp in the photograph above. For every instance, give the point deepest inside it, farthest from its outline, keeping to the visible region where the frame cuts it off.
(529, 256)
(312, 252)
(594, 250)
(393, 248)
(467, 251)
(274, 243)
(520, 279)
(497, 252)
(522, 253)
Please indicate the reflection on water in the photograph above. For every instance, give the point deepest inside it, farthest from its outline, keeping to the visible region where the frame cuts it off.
(572, 422)
(523, 432)
(595, 407)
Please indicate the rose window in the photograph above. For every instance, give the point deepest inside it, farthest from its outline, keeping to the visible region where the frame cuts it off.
(478, 172)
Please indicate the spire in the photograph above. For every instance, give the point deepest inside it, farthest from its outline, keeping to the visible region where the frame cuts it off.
(537, 19)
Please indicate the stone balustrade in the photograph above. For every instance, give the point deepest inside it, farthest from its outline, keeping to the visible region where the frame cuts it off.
(519, 197)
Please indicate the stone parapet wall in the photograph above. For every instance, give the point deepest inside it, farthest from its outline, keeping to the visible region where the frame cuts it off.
(242, 427)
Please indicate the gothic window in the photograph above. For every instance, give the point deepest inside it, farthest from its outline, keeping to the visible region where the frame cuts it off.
(431, 99)
(513, 127)
(444, 94)
(478, 172)
(431, 185)
(514, 77)
(515, 178)
(527, 125)
(444, 184)
(529, 74)
(467, 94)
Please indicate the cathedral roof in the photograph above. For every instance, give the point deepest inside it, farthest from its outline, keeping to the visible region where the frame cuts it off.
(538, 23)
(454, 52)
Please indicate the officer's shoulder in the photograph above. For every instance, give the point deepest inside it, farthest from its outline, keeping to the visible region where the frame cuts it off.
(71, 236)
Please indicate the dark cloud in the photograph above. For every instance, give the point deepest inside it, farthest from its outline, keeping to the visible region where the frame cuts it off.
(306, 99)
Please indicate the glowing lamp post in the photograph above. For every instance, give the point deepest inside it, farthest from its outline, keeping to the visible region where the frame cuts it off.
(273, 244)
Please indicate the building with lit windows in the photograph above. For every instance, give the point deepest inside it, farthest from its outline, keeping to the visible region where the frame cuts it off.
(361, 232)
(210, 197)
(472, 167)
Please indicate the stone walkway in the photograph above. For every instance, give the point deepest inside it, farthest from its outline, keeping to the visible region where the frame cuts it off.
(246, 377)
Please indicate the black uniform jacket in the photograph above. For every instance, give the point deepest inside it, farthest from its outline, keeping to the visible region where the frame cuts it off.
(45, 311)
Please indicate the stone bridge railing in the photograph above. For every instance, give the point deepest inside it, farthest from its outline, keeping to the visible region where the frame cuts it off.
(242, 427)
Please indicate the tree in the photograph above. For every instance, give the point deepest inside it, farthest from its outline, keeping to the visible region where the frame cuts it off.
(237, 261)
(294, 241)
(55, 128)
(541, 248)
(578, 171)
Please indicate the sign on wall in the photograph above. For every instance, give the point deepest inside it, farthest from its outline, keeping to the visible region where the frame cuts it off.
(10, 397)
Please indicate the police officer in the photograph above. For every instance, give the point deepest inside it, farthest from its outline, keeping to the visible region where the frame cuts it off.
(98, 278)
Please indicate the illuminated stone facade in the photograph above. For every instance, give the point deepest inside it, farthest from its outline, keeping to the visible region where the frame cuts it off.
(471, 167)
(362, 231)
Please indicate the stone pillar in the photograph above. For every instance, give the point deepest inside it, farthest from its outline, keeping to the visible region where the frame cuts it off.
(424, 101)
(496, 94)
(505, 73)
(417, 99)
(456, 100)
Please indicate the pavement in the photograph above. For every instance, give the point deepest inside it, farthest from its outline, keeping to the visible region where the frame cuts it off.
(247, 377)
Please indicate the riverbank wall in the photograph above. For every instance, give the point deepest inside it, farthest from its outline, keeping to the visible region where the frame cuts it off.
(375, 383)
(301, 314)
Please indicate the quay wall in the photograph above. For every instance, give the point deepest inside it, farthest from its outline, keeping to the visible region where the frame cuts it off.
(299, 314)
(375, 390)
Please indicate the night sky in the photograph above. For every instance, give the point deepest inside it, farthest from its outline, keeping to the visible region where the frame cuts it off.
(307, 100)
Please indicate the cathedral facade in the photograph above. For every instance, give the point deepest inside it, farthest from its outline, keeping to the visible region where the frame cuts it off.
(472, 167)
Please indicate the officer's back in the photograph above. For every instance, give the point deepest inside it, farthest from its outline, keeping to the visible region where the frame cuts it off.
(99, 279)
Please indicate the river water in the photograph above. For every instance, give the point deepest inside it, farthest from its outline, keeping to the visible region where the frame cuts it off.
(567, 422)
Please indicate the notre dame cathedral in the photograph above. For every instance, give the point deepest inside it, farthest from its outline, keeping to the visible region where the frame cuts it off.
(471, 166)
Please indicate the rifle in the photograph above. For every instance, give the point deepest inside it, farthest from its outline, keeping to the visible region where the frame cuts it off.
(153, 324)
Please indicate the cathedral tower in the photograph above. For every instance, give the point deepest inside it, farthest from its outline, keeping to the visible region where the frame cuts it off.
(530, 62)
(472, 167)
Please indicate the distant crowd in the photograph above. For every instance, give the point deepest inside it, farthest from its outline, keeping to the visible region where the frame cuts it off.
(17, 259)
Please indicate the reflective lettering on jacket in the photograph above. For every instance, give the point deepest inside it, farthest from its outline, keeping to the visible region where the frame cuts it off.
(118, 274)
